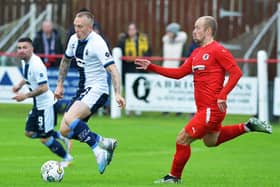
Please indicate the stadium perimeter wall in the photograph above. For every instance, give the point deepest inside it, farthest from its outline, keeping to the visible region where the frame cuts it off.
(151, 16)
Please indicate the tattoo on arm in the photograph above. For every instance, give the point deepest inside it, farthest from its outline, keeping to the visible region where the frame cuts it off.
(115, 78)
(116, 83)
(63, 69)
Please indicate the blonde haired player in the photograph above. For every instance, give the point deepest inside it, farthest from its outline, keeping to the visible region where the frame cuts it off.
(208, 64)
(93, 58)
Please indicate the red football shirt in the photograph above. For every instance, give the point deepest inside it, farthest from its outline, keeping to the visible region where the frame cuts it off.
(209, 65)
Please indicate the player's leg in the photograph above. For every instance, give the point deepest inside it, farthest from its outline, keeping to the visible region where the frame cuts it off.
(65, 140)
(192, 131)
(39, 125)
(46, 122)
(216, 134)
(181, 156)
(75, 128)
(57, 135)
(78, 129)
(56, 147)
(227, 133)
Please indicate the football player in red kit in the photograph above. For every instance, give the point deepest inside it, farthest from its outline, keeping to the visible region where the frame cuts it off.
(208, 64)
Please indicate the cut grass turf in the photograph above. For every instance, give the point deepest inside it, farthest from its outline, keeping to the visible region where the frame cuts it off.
(144, 154)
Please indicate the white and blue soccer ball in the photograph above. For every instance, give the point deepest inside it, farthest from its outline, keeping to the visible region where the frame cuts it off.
(52, 171)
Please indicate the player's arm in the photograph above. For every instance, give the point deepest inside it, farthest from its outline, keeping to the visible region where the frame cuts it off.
(107, 61)
(227, 61)
(63, 69)
(42, 88)
(17, 87)
(38, 91)
(175, 73)
(116, 84)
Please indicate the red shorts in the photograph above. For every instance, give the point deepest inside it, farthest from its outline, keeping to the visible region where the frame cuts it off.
(205, 121)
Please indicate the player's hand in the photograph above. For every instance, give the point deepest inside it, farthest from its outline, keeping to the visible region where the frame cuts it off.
(222, 104)
(142, 63)
(16, 88)
(19, 97)
(59, 92)
(120, 100)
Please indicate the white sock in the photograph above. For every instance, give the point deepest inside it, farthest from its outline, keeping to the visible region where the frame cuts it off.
(246, 128)
(97, 150)
(68, 157)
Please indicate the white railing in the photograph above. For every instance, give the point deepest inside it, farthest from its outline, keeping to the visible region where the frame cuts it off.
(30, 31)
(262, 86)
(115, 109)
(259, 37)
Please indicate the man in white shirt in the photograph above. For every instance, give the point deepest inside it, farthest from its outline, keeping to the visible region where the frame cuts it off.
(42, 118)
(173, 45)
(93, 58)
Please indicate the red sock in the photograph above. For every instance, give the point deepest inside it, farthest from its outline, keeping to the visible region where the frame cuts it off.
(230, 132)
(180, 159)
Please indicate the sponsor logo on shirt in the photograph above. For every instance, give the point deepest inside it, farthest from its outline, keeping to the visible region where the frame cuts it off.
(198, 67)
(80, 62)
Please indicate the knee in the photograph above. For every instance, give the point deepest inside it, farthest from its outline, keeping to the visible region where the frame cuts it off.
(67, 119)
(183, 138)
(208, 143)
(44, 140)
(28, 134)
(64, 129)
(180, 140)
(63, 132)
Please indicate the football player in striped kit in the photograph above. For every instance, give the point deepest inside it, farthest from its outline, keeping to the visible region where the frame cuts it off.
(93, 58)
(42, 118)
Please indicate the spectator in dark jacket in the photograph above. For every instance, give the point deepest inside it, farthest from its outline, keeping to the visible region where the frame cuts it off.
(48, 41)
(133, 44)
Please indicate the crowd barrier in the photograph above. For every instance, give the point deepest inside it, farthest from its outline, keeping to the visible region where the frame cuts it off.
(151, 92)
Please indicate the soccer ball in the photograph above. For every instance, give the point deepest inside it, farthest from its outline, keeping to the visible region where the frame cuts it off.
(51, 171)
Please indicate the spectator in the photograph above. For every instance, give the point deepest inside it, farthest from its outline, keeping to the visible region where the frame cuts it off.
(48, 41)
(174, 42)
(133, 43)
(173, 45)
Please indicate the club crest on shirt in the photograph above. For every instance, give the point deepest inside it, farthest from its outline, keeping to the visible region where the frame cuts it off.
(107, 54)
(205, 56)
(86, 52)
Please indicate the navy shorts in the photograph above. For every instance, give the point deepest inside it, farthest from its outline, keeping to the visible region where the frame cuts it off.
(41, 122)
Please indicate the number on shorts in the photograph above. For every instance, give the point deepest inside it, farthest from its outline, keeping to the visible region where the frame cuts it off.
(40, 122)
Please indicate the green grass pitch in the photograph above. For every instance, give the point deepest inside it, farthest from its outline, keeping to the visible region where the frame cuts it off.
(146, 147)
